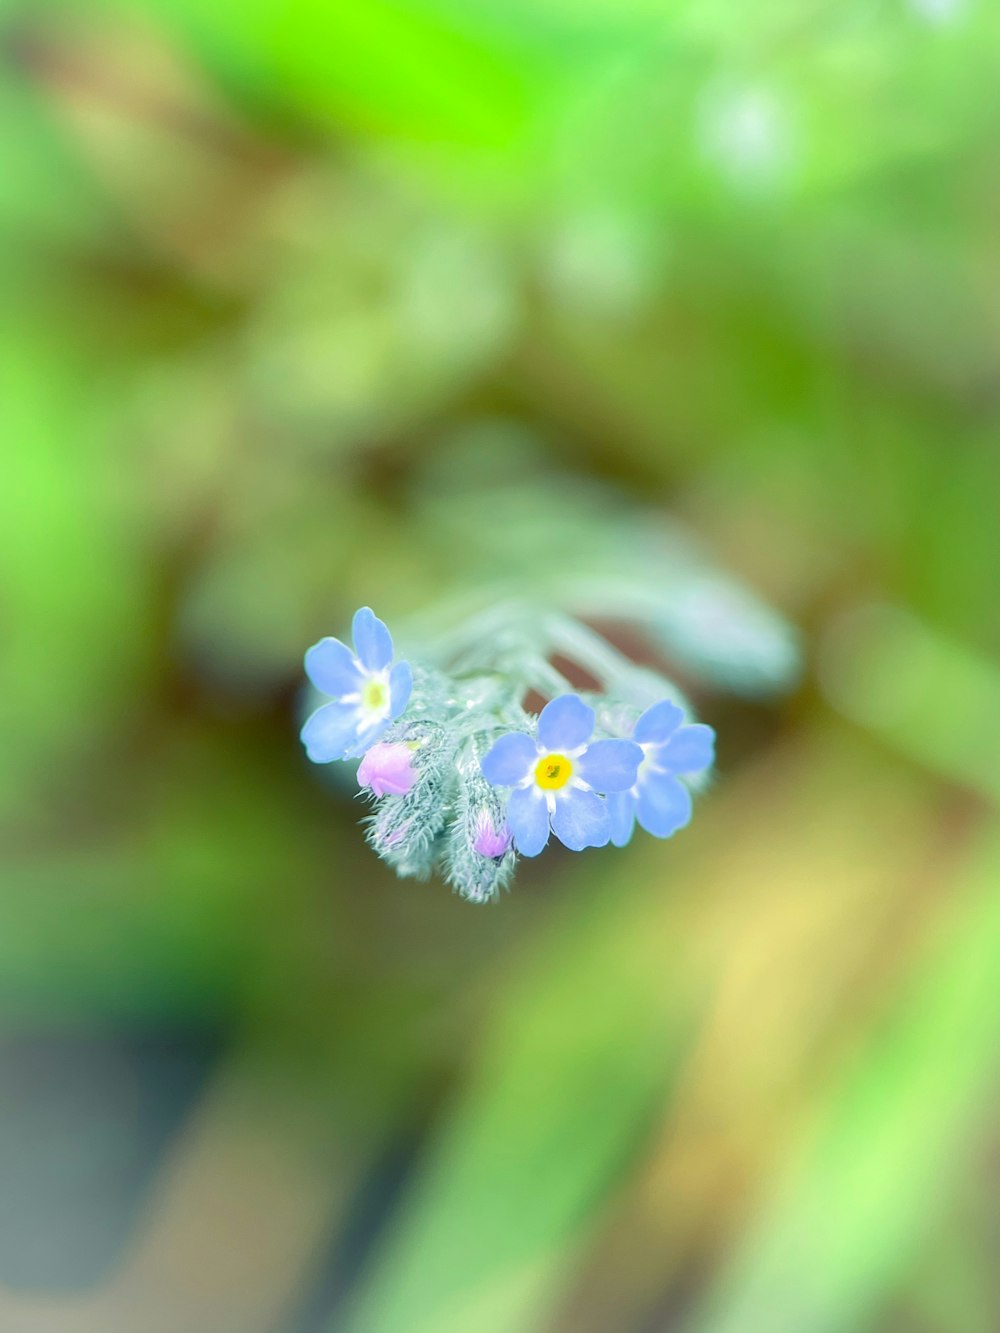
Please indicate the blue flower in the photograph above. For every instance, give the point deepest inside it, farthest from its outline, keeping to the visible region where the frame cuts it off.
(368, 692)
(557, 777)
(658, 799)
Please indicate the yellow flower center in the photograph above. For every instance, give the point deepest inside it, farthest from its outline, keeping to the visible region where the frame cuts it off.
(553, 771)
(375, 696)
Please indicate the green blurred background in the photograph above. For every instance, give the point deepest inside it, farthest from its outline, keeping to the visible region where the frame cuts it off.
(311, 305)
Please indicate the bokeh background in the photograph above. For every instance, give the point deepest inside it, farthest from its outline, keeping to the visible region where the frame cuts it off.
(308, 306)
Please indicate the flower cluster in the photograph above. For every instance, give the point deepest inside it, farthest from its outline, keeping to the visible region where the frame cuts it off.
(463, 781)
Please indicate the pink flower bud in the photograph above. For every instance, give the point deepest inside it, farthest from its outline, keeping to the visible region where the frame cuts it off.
(388, 769)
(489, 841)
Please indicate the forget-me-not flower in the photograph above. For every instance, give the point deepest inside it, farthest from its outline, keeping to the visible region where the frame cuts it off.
(462, 781)
(557, 777)
(368, 691)
(658, 798)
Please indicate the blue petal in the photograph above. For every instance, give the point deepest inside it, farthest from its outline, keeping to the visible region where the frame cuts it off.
(372, 641)
(663, 805)
(565, 723)
(658, 723)
(330, 732)
(689, 750)
(580, 820)
(621, 810)
(610, 765)
(528, 820)
(363, 740)
(510, 760)
(400, 685)
(332, 668)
